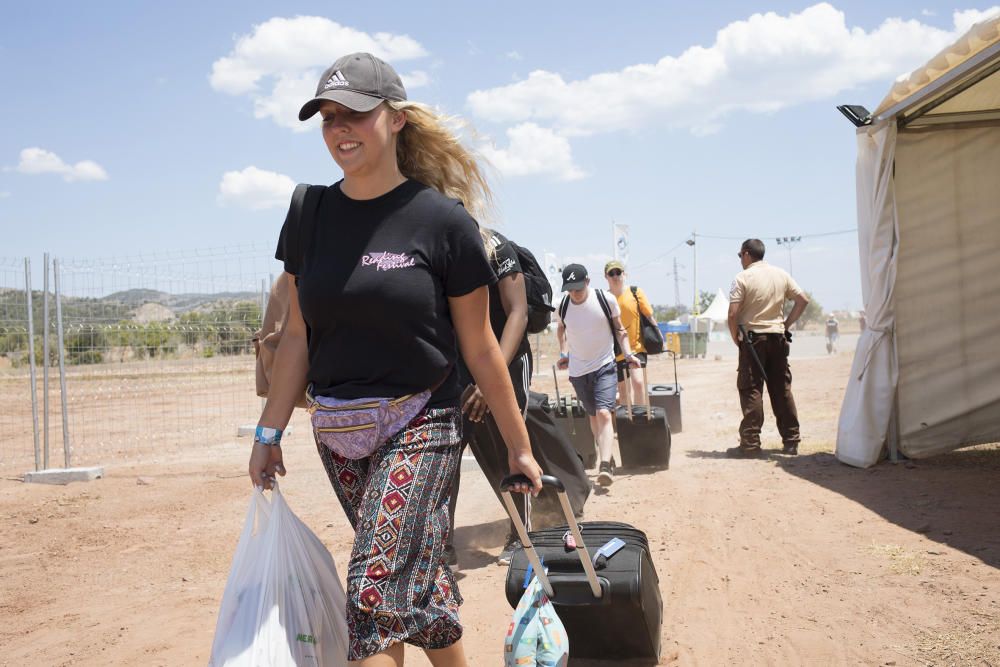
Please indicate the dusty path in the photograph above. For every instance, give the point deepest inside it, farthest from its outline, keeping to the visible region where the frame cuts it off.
(777, 561)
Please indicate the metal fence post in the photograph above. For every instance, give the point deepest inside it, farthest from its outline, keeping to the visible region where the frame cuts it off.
(45, 360)
(31, 361)
(62, 365)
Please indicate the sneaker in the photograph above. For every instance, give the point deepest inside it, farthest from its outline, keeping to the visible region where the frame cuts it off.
(512, 545)
(742, 452)
(791, 450)
(450, 555)
(606, 473)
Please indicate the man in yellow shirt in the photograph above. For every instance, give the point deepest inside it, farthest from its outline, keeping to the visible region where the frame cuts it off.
(756, 302)
(631, 305)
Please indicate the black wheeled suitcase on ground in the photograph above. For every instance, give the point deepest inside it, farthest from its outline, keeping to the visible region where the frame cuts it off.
(612, 611)
(643, 433)
(569, 414)
(668, 397)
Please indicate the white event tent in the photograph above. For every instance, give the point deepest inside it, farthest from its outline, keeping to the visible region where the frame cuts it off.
(926, 374)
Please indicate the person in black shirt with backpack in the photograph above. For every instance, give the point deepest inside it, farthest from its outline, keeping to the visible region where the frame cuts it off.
(509, 321)
(390, 286)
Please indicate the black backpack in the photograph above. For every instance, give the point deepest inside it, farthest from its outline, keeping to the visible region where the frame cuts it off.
(538, 289)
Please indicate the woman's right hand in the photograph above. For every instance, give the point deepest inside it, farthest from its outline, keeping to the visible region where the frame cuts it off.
(265, 462)
(525, 464)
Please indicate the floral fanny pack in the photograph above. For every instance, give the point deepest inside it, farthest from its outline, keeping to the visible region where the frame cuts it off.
(356, 427)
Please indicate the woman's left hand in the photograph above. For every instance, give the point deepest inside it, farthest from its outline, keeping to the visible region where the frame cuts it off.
(525, 464)
(474, 404)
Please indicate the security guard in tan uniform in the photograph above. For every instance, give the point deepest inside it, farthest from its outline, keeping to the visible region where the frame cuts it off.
(763, 335)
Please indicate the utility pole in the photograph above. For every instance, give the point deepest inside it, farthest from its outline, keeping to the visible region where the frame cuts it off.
(677, 284)
(788, 242)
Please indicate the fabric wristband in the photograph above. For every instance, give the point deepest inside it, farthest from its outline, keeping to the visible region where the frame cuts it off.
(266, 435)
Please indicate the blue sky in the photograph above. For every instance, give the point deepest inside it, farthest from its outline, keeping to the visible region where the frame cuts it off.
(133, 128)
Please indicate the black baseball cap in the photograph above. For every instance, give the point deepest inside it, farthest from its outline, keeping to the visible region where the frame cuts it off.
(359, 81)
(574, 277)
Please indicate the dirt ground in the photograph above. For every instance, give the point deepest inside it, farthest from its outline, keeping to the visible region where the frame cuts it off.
(774, 561)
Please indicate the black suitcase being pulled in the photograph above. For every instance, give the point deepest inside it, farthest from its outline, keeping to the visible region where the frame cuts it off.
(668, 397)
(624, 623)
(572, 419)
(643, 432)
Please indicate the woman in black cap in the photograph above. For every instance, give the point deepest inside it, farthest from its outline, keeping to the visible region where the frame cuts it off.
(391, 286)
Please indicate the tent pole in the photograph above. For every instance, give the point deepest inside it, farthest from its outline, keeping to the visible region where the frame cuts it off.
(894, 421)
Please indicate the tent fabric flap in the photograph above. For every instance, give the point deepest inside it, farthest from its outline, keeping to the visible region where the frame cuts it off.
(947, 294)
(867, 410)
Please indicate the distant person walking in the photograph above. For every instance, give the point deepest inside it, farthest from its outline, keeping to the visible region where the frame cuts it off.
(832, 334)
(589, 324)
(632, 302)
(756, 301)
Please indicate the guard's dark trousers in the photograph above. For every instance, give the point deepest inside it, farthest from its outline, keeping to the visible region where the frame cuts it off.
(773, 352)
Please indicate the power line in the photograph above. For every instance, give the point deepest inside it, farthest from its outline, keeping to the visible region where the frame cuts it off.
(800, 236)
(736, 238)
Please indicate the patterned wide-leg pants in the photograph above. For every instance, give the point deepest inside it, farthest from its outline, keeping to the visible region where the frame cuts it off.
(398, 586)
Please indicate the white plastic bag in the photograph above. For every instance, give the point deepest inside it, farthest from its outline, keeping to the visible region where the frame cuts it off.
(283, 605)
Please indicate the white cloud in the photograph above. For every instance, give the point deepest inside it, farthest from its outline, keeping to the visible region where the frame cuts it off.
(928, 12)
(255, 189)
(534, 150)
(278, 64)
(514, 55)
(415, 79)
(41, 161)
(966, 18)
(759, 65)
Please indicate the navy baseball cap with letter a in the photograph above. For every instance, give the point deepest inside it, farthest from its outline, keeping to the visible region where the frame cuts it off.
(359, 81)
(574, 277)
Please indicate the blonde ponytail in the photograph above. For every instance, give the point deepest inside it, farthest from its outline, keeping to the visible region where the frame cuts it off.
(428, 151)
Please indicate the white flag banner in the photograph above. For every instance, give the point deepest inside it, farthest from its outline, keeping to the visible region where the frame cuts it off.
(621, 244)
(553, 269)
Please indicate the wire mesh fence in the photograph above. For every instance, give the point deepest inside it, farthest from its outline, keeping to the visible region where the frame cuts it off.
(16, 415)
(156, 352)
(149, 357)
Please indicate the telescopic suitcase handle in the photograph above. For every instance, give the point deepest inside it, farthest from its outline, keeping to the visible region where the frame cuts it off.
(529, 550)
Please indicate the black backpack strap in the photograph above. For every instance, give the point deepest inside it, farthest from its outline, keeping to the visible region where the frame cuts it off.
(304, 210)
(293, 237)
(563, 307)
(611, 324)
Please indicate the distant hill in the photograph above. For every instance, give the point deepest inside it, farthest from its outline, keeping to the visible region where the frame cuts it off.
(113, 307)
(178, 303)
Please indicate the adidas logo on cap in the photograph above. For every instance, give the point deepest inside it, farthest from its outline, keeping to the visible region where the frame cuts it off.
(336, 79)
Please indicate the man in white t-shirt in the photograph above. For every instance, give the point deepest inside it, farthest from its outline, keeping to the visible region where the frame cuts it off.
(589, 323)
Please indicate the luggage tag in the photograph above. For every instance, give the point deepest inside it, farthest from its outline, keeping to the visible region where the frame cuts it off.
(610, 548)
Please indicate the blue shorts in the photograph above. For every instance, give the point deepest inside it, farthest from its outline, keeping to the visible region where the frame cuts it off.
(596, 390)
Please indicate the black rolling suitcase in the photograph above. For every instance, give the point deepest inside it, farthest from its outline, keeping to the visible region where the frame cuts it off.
(643, 434)
(668, 397)
(612, 611)
(569, 414)
(556, 454)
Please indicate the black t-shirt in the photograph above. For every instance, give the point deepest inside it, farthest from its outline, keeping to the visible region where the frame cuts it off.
(373, 286)
(505, 263)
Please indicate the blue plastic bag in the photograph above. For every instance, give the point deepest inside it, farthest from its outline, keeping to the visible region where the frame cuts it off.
(536, 637)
